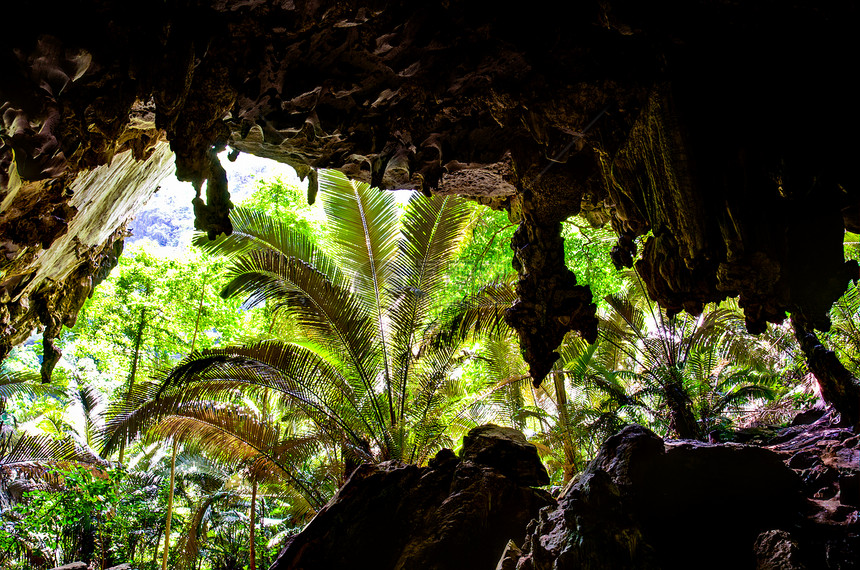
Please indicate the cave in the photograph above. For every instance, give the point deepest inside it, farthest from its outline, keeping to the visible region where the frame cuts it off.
(716, 138)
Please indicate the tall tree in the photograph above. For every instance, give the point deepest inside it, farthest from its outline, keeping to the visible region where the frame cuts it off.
(354, 374)
(692, 367)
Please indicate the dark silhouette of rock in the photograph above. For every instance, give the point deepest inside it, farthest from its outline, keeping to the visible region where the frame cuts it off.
(777, 550)
(789, 503)
(507, 451)
(646, 503)
(645, 118)
(455, 513)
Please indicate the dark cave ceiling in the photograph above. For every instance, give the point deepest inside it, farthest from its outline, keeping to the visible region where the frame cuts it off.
(723, 133)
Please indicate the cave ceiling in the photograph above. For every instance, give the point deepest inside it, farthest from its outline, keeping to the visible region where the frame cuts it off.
(717, 138)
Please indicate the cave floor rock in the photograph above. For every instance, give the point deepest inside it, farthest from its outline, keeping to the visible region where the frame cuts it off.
(648, 503)
(455, 513)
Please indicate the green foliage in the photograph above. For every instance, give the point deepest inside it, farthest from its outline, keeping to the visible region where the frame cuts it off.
(486, 255)
(145, 314)
(288, 204)
(88, 514)
(586, 252)
(142, 317)
(844, 335)
(358, 307)
(334, 342)
(349, 377)
(688, 371)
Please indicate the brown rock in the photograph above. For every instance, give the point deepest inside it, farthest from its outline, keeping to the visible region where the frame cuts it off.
(453, 514)
(645, 503)
(507, 451)
(776, 550)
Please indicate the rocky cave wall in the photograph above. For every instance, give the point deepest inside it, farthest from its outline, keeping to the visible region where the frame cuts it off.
(718, 136)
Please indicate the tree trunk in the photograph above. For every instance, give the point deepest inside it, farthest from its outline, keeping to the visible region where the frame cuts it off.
(681, 412)
(839, 387)
(138, 339)
(157, 550)
(169, 508)
(564, 420)
(253, 564)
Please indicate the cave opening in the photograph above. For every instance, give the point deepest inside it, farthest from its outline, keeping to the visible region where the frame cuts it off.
(623, 216)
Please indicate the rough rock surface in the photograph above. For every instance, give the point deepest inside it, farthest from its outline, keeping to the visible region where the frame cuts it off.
(777, 550)
(718, 136)
(455, 513)
(46, 278)
(648, 503)
(826, 456)
(507, 451)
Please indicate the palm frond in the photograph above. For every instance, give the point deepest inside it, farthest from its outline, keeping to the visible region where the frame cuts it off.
(232, 435)
(433, 231)
(189, 542)
(304, 380)
(36, 455)
(25, 382)
(256, 231)
(366, 232)
(480, 314)
(741, 395)
(326, 311)
(365, 225)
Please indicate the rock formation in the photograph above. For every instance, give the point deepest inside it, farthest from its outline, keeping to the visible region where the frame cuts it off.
(716, 137)
(647, 503)
(792, 502)
(454, 513)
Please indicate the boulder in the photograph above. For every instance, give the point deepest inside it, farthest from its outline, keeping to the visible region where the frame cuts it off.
(648, 503)
(777, 550)
(455, 513)
(506, 450)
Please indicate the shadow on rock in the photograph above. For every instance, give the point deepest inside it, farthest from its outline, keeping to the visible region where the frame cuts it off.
(455, 513)
(647, 503)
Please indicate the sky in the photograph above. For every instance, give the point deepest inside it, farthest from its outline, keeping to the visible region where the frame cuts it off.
(168, 218)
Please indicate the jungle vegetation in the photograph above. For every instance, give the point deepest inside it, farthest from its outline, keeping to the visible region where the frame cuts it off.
(209, 404)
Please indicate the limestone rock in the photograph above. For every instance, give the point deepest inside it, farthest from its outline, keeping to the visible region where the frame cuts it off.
(455, 513)
(643, 118)
(646, 503)
(507, 451)
(47, 278)
(776, 550)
